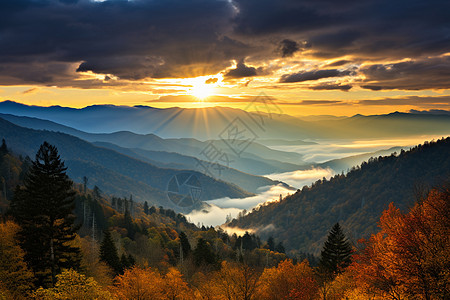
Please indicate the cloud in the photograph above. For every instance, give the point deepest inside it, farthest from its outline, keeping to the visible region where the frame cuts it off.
(369, 29)
(312, 75)
(30, 91)
(241, 71)
(47, 42)
(300, 178)
(338, 63)
(267, 194)
(425, 73)
(213, 215)
(328, 86)
(218, 209)
(288, 47)
(211, 80)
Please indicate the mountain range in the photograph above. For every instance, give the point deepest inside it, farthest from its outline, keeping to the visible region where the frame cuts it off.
(212, 123)
(111, 171)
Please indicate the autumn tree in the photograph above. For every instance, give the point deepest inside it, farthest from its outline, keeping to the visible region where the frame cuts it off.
(137, 283)
(288, 281)
(43, 209)
(15, 277)
(410, 255)
(72, 285)
(233, 281)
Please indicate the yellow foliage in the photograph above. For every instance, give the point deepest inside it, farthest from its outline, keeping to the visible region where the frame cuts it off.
(15, 277)
(72, 285)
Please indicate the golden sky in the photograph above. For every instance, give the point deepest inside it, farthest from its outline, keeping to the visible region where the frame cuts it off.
(312, 58)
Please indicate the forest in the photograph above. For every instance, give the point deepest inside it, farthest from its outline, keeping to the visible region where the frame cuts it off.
(355, 199)
(61, 240)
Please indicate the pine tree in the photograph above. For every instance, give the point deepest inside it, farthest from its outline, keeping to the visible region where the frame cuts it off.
(146, 208)
(185, 245)
(203, 254)
(3, 148)
(271, 243)
(280, 248)
(108, 253)
(43, 209)
(336, 253)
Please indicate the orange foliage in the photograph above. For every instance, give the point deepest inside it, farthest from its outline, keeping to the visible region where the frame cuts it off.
(143, 284)
(410, 256)
(288, 281)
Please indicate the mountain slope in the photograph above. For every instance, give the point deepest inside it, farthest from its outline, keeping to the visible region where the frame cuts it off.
(248, 182)
(78, 152)
(253, 160)
(356, 200)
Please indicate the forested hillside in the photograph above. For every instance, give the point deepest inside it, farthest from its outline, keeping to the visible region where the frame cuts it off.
(356, 199)
(113, 172)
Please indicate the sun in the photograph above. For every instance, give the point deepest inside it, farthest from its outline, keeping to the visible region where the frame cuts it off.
(201, 90)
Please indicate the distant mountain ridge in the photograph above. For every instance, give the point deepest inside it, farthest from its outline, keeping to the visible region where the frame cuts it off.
(355, 200)
(113, 172)
(210, 123)
(253, 161)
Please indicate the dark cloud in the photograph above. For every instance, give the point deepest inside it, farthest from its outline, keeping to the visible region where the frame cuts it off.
(129, 39)
(368, 29)
(427, 73)
(241, 71)
(46, 41)
(312, 75)
(288, 47)
(341, 87)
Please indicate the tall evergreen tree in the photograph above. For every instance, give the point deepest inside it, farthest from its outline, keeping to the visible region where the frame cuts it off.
(146, 208)
(44, 210)
(108, 253)
(185, 245)
(271, 243)
(203, 254)
(336, 253)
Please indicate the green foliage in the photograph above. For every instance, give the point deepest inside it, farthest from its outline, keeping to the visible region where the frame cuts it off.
(108, 253)
(43, 209)
(203, 254)
(185, 245)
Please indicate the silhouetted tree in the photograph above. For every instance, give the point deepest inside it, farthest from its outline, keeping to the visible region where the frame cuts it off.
(3, 148)
(43, 209)
(203, 254)
(280, 248)
(185, 245)
(108, 253)
(271, 243)
(336, 253)
(146, 207)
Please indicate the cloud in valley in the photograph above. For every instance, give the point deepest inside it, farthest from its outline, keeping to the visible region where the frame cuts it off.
(300, 178)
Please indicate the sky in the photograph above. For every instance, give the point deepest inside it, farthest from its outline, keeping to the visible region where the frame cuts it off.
(312, 57)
